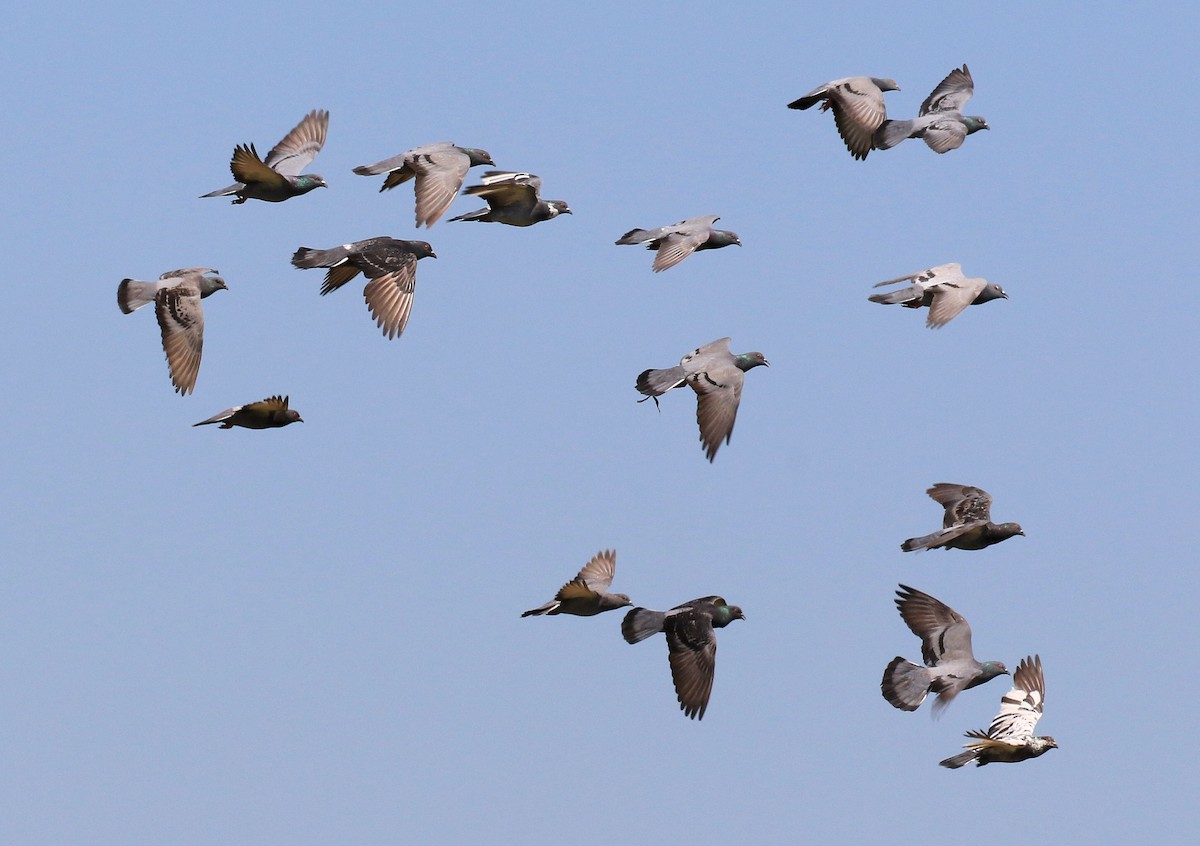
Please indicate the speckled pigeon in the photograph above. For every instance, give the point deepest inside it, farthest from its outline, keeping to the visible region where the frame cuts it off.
(691, 644)
(858, 108)
(676, 242)
(389, 263)
(950, 665)
(271, 413)
(943, 289)
(587, 594)
(176, 298)
(716, 375)
(512, 198)
(439, 170)
(967, 523)
(941, 121)
(279, 177)
(1010, 738)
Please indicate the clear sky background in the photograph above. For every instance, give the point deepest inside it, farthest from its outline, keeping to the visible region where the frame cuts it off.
(312, 635)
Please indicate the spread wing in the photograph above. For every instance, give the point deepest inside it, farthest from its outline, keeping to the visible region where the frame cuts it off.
(692, 651)
(390, 297)
(1021, 707)
(597, 574)
(182, 322)
(719, 392)
(951, 94)
(440, 174)
(248, 168)
(300, 146)
(963, 503)
(950, 298)
(945, 634)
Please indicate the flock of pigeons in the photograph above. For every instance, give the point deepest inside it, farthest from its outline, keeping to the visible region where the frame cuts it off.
(715, 374)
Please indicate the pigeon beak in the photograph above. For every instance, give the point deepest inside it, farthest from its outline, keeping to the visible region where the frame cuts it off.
(299, 419)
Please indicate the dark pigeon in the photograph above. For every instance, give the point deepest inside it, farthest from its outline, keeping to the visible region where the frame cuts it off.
(512, 198)
(271, 413)
(278, 178)
(587, 594)
(943, 289)
(967, 523)
(676, 242)
(439, 170)
(1010, 738)
(857, 105)
(941, 121)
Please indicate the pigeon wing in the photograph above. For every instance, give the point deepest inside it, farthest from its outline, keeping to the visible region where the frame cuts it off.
(300, 146)
(951, 94)
(390, 297)
(719, 392)
(440, 174)
(1021, 707)
(597, 574)
(182, 322)
(248, 168)
(963, 503)
(692, 651)
(946, 134)
(950, 298)
(945, 634)
(858, 110)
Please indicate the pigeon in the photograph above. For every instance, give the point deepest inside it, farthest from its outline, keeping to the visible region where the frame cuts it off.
(176, 296)
(587, 594)
(950, 666)
(943, 289)
(941, 122)
(691, 644)
(271, 413)
(716, 375)
(439, 170)
(858, 108)
(389, 263)
(513, 198)
(279, 177)
(676, 242)
(967, 523)
(1010, 737)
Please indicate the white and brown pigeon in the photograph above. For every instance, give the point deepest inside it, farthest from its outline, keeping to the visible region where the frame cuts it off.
(438, 171)
(512, 198)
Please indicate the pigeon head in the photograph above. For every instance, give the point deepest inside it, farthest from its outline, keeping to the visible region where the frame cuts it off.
(991, 291)
(1041, 744)
(421, 249)
(289, 416)
(991, 669)
(558, 207)
(209, 284)
(308, 181)
(478, 157)
(747, 361)
(1008, 530)
(724, 614)
(720, 238)
(625, 600)
(974, 123)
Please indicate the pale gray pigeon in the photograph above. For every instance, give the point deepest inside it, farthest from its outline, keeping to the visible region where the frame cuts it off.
(587, 594)
(941, 121)
(176, 298)
(691, 644)
(676, 242)
(950, 665)
(271, 413)
(1010, 738)
(858, 108)
(943, 289)
(717, 376)
(389, 263)
(439, 170)
(279, 177)
(967, 523)
(512, 198)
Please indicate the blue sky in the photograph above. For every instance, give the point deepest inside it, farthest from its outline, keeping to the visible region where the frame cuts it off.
(312, 635)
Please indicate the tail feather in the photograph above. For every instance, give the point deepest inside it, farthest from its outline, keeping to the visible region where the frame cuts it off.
(959, 760)
(904, 295)
(924, 542)
(654, 383)
(905, 684)
(641, 623)
(544, 609)
(307, 257)
(132, 294)
(892, 132)
(224, 192)
(635, 236)
(475, 215)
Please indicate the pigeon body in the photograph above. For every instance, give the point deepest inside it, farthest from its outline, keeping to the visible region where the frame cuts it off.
(691, 644)
(857, 105)
(941, 121)
(943, 289)
(1010, 738)
(278, 178)
(950, 665)
(967, 523)
(271, 413)
(717, 376)
(587, 594)
(676, 242)
(438, 170)
(132, 294)
(389, 263)
(512, 198)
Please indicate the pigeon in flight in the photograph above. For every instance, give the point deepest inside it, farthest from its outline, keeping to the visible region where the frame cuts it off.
(950, 665)
(676, 242)
(587, 594)
(1010, 737)
(943, 289)
(967, 523)
(941, 121)
(389, 263)
(271, 413)
(858, 108)
(716, 375)
(512, 198)
(439, 170)
(691, 644)
(176, 297)
(279, 177)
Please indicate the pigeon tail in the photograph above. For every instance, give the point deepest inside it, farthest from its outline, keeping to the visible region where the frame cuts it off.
(548, 608)
(923, 542)
(901, 297)
(307, 257)
(132, 294)
(478, 214)
(905, 684)
(225, 192)
(635, 236)
(641, 623)
(892, 132)
(654, 383)
(959, 760)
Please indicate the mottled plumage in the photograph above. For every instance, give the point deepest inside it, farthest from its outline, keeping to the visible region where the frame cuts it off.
(676, 242)
(389, 263)
(512, 198)
(967, 523)
(943, 289)
(271, 413)
(587, 594)
(857, 105)
(439, 170)
(941, 121)
(1010, 738)
(278, 178)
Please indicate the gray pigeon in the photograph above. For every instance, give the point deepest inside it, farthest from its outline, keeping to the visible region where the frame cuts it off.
(279, 177)
(943, 289)
(858, 108)
(439, 170)
(941, 121)
(716, 375)
(691, 644)
(513, 198)
(967, 523)
(676, 242)
(176, 298)
(587, 594)
(950, 665)
(271, 413)
(1010, 738)
(389, 263)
